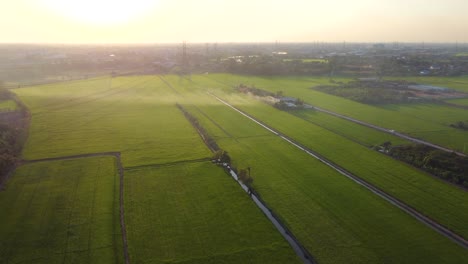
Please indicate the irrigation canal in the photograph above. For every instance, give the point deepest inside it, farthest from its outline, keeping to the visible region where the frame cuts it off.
(305, 256)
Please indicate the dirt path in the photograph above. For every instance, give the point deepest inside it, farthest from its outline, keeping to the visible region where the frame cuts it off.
(394, 201)
(120, 170)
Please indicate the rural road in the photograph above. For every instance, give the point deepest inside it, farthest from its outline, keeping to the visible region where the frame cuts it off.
(394, 201)
(419, 141)
(121, 193)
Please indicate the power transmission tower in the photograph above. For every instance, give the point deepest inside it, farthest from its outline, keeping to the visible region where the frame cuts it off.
(185, 62)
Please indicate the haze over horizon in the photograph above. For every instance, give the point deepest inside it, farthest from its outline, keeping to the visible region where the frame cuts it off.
(146, 21)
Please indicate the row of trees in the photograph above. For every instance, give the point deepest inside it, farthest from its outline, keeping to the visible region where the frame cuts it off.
(460, 125)
(11, 130)
(448, 166)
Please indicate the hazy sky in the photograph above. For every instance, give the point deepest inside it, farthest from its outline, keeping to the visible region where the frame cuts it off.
(148, 21)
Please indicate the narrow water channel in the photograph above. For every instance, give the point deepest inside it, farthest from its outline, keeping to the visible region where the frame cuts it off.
(297, 247)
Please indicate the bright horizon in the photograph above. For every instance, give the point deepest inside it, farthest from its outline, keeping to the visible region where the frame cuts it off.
(171, 21)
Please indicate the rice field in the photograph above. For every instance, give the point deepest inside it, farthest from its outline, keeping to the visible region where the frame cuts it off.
(62, 212)
(195, 213)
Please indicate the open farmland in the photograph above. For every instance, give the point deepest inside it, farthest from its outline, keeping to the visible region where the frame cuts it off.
(179, 209)
(462, 102)
(337, 220)
(137, 116)
(360, 134)
(134, 115)
(62, 212)
(194, 213)
(440, 201)
(430, 122)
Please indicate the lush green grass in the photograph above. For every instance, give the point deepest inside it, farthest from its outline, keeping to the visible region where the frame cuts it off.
(426, 121)
(62, 212)
(181, 214)
(7, 105)
(440, 201)
(360, 134)
(463, 101)
(336, 219)
(195, 213)
(134, 115)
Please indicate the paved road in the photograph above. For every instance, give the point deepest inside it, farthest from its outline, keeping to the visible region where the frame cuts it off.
(406, 208)
(388, 131)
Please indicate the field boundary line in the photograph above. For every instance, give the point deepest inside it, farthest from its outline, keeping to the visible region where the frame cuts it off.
(120, 171)
(388, 131)
(158, 165)
(392, 200)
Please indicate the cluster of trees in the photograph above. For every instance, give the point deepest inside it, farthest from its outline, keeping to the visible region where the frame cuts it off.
(209, 141)
(448, 166)
(255, 91)
(244, 176)
(8, 148)
(9, 135)
(460, 125)
(222, 156)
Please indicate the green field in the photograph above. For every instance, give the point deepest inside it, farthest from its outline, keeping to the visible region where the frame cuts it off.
(195, 213)
(463, 102)
(138, 116)
(435, 198)
(8, 105)
(62, 212)
(426, 121)
(178, 210)
(360, 134)
(337, 220)
(134, 115)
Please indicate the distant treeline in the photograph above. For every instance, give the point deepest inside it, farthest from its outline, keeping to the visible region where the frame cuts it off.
(448, 166)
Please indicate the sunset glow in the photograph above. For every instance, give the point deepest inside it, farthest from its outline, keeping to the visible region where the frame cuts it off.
(102, 12)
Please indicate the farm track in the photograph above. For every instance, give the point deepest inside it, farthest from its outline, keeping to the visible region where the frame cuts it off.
(389, 131)
(121, 193)
(392, 200)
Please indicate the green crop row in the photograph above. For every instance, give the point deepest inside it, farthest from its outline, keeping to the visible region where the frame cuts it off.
(62, 212)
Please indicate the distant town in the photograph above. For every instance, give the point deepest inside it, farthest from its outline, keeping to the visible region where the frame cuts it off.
(24, 64)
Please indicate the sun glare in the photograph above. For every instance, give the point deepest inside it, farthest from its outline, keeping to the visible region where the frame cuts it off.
(100, 12)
